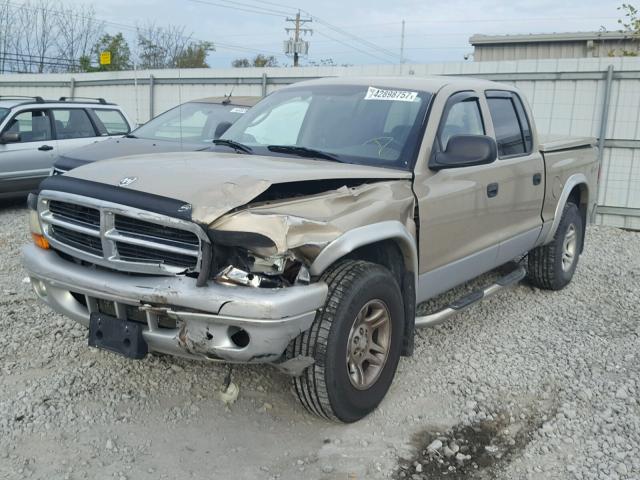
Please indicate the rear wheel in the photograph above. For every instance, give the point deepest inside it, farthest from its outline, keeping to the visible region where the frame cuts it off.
(552, 266)
(355, 341)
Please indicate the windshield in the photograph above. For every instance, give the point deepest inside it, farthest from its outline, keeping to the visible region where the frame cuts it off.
(191, 122)
(353, 123)
(3, 113)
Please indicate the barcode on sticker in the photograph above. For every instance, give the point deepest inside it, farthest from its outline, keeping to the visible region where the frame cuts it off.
(397, 95)
(239, 110)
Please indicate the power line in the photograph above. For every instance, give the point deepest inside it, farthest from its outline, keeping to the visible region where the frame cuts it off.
(288, 11)
(367, 44)
(240, 8)
(385, 60)
(480, 20)
(377, 48)
(410, 48)
(38, 56)
(34, 60)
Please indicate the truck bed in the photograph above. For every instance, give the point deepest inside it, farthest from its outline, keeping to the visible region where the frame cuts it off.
(553, 143)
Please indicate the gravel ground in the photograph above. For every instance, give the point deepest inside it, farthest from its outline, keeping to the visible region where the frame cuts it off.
(529, 384)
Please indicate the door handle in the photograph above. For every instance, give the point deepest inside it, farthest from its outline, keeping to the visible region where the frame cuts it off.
(45, 148)
(537, 178)
(492, 190)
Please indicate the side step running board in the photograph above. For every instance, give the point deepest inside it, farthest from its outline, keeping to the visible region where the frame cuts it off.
(472, 298)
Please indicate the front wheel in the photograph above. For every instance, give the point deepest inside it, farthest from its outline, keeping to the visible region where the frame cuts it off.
(552, 266)
(355, 340)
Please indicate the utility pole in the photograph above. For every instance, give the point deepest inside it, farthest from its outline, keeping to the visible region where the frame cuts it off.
(296, 46)
(402, 44)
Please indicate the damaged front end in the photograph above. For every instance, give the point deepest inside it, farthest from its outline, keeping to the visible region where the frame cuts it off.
(258, 281)
(273, 242)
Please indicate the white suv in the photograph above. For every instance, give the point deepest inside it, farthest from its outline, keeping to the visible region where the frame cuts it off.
(34, 131)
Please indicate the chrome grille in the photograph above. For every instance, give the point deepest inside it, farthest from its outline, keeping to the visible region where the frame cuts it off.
(79, 214)
(77, 240)
(148, 230)
(137, 253)
(120, 237)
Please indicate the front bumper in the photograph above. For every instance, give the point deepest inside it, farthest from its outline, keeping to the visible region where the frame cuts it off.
(206, 318)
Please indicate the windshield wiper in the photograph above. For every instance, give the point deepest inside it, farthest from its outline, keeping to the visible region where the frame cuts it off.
(237, 146)
(304, 152)
(130, 135)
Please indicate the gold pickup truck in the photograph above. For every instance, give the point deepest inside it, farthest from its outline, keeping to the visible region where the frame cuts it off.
(307, 238)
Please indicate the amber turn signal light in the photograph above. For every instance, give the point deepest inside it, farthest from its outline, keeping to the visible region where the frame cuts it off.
(40, 241)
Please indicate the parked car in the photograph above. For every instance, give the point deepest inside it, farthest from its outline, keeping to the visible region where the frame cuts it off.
(34, 131)
(191, 126)
(340, 206)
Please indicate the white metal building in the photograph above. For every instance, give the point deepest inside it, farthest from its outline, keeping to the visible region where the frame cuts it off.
(552, 45)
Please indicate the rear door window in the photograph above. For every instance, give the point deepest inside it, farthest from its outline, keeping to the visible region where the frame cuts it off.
(513, 133)
(524, 123)
(73, 123)
(32, 125)
(113, 122)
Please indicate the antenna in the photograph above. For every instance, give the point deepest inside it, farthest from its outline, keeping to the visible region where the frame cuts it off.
(227, 98)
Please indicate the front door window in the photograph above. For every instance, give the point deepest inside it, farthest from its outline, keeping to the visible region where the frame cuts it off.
(32, 126)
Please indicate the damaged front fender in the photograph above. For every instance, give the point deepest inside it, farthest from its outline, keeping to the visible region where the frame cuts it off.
(305, 226)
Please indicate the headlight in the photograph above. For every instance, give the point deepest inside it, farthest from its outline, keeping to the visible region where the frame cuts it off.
(246, 267)
(34, 223)
(231, 275)
(253, 251)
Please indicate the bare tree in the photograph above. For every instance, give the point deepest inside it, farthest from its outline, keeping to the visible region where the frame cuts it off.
(6, 34)
(78, 32)
(33, 41)
(45, 35)
(51, 36)
(170, 47)
(38, 38)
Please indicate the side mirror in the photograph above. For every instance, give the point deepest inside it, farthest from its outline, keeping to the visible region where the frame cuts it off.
(9, 137)
(220, 129)
(466, 151)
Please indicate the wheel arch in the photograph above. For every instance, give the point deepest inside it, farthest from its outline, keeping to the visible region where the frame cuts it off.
(579, 196)
(366, 236)
(576, 190)
(386, 243)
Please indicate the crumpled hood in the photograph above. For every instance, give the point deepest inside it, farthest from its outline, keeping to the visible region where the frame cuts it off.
(215, 183)
(120, 147)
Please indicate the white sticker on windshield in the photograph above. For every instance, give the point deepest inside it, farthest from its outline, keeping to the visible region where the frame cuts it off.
(397, 95)
(239, 110)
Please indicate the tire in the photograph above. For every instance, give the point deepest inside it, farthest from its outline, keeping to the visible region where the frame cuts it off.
(328, 388)
(549, 266)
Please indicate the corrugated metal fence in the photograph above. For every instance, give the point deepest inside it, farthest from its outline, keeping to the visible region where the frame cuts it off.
(568, 96)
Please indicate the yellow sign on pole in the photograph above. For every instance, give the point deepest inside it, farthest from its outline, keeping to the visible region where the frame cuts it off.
(105, 58)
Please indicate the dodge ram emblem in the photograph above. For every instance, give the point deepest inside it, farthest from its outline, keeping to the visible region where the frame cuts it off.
(126, 181)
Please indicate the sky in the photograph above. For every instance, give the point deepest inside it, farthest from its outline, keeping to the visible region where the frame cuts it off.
(356, 32)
